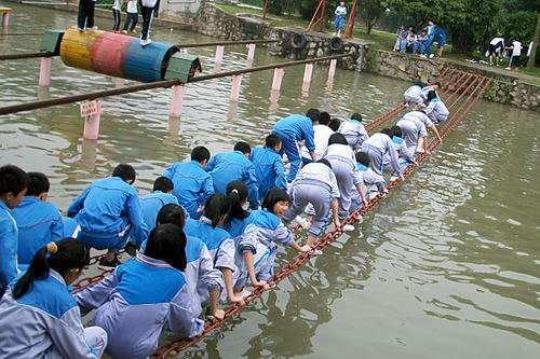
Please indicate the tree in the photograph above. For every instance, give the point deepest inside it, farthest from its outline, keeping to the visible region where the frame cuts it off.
(371, 11)
(532, 58)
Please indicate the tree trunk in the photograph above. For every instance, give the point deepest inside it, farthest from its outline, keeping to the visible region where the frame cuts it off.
(532, 58)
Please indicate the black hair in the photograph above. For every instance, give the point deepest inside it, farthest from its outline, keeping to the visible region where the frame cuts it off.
(419, 83)
(237, 193)
(274, 196)
(171, 213)
(362, 158)
(167, 242)
(334, 124)
(12, 180)
(200, 154)
(243, 147)
(337, 138)
(216, 207)
(387, 131)
(396, 131)
(69, 254)
(271, 141)
(38, 184)
(356, 116)
(325, 162)
(314, 114)
(125, 172)
(431, 95)
(163, 184)
(324, 118)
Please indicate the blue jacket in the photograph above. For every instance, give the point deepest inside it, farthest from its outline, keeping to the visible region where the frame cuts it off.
(234, 166)
(192, 185)
(236, 226)
(8, 246)
(39, 223)
(105, 210)
(152, 203)
(297, 127)
(269, 170)
(43, 323)
(135, 303)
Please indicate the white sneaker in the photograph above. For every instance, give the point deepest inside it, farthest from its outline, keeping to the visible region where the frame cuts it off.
(431, 56)
(304, 223)
(347, 228)
(423, 56)
(310, 211)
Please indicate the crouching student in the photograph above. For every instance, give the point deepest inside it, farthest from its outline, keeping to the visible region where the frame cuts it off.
(354, 131)
(153, 202)
(413, 95)
(237, 219)
(258, 244)
(235, 166)
(269, 169)
(316, 184)
(414, 127)
(203, 280)
(145, 295)
(13, 186)
(192, 184)
(107, 212)
(39, 317)
(405, 156)
(373, 182)
(221, 246)
(321, 134)
(39, 222)
(379, 145)
(293, 129)
(341, 158)
(436, 109)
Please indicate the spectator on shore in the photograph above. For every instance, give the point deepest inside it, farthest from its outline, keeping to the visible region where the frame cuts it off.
(515, 56)
(339, 20)
(495, 49)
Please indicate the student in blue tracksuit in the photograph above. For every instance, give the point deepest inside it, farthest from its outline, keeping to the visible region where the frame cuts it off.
(269, 167)
(108, 211)
(257, 247)
(153, 202)
(218, 241)
(13, 185)
(203, 280)
(39, 317)
(237, 193)
(39, 222)
(293, 129)
(235, 166)
(192, 184)
(145, 295)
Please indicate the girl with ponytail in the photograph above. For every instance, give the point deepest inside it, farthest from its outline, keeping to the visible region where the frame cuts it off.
(39, 317)
(237, 193)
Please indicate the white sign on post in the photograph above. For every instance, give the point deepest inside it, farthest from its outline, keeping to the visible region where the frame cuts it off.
(90, 108)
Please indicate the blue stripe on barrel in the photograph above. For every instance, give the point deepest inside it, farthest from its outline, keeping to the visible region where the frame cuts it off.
(148, 63)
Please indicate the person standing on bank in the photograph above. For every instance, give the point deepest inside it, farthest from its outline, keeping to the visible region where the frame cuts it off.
(85, 18)
(149, 9)
(339, 21)
(132, 17)
(117, 15)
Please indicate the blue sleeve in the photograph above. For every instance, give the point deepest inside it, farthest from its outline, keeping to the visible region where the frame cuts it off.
(57, 227)
(8, 251)
(279, 170)
(135, 215)
(77, 204)
(208, 188)
(169, 172)
(309, 138)
(253, 190)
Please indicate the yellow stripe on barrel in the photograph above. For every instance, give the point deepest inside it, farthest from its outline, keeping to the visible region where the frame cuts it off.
(76, 47)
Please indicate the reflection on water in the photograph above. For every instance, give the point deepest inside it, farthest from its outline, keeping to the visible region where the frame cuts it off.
(448, 266)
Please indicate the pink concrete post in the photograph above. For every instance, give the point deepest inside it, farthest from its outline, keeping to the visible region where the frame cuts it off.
(91, 124)
(235, 88)
(332, 70)
(5, 21)
(277, 79)
(177, 100)
(45, 71)
(251, 52)
(308, 74)
(219, 54)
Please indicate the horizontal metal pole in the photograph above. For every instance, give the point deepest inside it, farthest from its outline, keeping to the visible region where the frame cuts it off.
(148, 86)
(226, 43)
(26, 55)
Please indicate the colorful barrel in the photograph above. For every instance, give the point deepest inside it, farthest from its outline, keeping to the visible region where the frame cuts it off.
(76, 46)
(108, 53)
(147, 63)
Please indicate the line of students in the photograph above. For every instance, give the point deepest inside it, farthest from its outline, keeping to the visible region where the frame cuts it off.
(211, 228)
